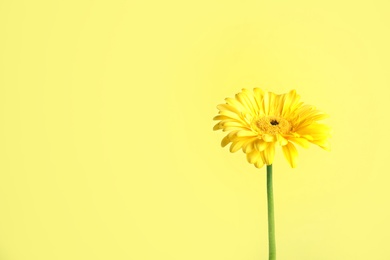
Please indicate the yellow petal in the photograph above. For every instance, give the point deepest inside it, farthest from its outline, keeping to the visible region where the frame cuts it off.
(266, 103)
(269, 153)
(221, 117)
(246, 101)
(249, 145)
(309, 119)
(260, 145)
(232, 123)
(281, 140)
(308, 137)
(291, 101)
(319, 117)
(259, 95)
(308, 114)
(217, 126)
(225, 141)
(278, 105)
(236, 145)
(234, 102)
(232, 134)
(259, 163)
(291, 154)
(301, 141)
(314, 128)
(258, 92)
(234, 128)
(268, 138)
(231, 114)
(246, 133)
(272, 97)
(227, 107)
(324, 144)
(251, 99)
(253, 156)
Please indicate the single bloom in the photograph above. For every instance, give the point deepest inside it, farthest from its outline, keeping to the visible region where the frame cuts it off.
(257, 121)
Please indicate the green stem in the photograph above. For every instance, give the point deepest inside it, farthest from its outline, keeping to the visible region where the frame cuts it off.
(271, 220)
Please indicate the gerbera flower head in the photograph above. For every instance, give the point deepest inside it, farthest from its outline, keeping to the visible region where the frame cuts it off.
(257, 121)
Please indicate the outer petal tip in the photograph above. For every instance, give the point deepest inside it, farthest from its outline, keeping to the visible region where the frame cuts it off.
(217, 126)
(291, 154)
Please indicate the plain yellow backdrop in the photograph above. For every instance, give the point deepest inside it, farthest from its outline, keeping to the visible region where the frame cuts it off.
(106, 142)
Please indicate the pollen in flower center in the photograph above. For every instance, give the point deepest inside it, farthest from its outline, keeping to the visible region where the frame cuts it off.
(273, 125)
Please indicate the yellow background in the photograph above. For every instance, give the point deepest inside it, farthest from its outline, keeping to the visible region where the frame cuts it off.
(106, 142)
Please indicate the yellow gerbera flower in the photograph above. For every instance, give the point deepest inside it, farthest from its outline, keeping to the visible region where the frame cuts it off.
(258, 120)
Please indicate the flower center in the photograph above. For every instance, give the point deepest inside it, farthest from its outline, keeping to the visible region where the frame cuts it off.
(273, 125)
